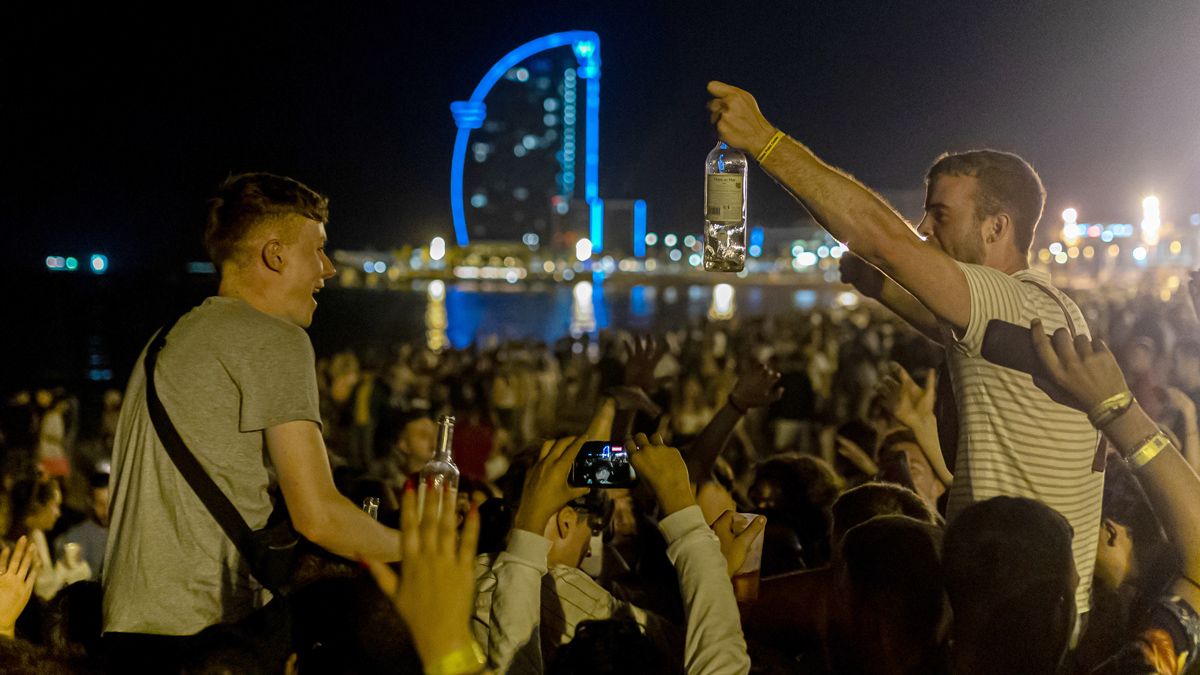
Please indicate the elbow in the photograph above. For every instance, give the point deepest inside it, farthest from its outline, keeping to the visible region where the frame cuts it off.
(312, 527)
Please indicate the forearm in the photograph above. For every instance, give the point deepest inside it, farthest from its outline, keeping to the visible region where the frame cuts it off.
(906, 306)
(513, 641)
(926, 434)
(847, 209)
(1171, 485)
(702, 454)
(346, 530)
(714, 642)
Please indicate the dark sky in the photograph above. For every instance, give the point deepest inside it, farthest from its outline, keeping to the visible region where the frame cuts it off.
(118, 122)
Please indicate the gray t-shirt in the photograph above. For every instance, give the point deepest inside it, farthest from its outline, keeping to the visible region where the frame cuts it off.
(226, 373)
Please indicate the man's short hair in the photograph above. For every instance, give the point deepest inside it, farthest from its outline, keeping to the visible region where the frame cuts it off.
(870, 500)
(244, 200)
(1007, 184)
(1008, 568)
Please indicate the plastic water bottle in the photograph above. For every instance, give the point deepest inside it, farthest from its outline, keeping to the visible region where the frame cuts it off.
(440, 472)
(725, 210)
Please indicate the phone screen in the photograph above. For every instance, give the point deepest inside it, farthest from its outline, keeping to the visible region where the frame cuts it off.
(602, 464)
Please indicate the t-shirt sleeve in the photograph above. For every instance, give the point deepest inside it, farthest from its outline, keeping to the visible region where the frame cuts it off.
(994, 295)
(277, 377)
(1166, 643)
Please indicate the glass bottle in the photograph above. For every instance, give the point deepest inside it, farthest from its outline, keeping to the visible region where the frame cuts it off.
(440, 471)
(725, 209)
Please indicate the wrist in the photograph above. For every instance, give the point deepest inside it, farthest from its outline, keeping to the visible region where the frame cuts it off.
(457, 655)
(676, 499)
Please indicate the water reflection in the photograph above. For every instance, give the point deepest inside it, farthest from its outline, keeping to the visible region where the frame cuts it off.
(723, 305)
(583, 309)
(436, 318)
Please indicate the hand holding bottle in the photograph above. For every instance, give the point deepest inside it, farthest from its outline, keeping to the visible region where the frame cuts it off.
(737, 118)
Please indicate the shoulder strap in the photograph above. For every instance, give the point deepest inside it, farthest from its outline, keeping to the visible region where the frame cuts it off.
(1057, 301)
(218, 505)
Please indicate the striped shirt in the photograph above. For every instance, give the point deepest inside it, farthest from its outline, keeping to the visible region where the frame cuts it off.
(1013, 439)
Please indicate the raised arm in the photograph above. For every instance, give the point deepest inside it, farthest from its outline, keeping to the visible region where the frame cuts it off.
(872, 283)
(755, 387)
(846, 208)
(319, 512)
(1088, 372)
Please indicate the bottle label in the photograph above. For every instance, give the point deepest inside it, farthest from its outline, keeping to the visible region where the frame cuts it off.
(724, 198)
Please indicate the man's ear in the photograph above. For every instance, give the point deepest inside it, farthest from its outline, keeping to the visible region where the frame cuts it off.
(999, 224)
(564, 521)
(1110, 531)
(272, 255)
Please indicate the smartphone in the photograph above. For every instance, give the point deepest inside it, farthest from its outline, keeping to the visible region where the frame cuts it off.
(1009, 345)
(602, 464)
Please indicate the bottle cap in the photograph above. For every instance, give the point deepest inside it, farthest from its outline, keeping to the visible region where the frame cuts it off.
(447, 420)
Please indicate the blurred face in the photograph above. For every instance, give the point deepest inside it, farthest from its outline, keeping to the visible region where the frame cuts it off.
(766, 494)
(45, 516)
(304, 271)
(418, 441)
(950, 222)
(924, 480)
(100, 505)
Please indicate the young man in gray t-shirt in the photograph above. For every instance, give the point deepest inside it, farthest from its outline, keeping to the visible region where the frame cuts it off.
(238, 379)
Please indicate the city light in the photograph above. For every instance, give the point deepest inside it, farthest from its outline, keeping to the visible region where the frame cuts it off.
(1151, 220)
(1139, 253)
(71, 264)
(1056, 248)
(695, 260)
(651, 239)
(99, 263)
(675, 255)
(1176, 249)
(640, 238)
(437, 290)
(1060, 258)
(380, 267)
(689, 241)
(583, 250)
(1071, 231)
(437, 248)
(670, 240)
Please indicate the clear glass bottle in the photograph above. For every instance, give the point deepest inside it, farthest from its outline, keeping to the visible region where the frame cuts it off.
(440, 471)
(725, 209)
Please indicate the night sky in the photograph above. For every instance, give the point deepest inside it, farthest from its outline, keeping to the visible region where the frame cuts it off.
(119, 122)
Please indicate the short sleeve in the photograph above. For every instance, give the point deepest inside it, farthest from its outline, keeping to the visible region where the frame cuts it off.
(1166, 642)
(994, 295)
(277, 377)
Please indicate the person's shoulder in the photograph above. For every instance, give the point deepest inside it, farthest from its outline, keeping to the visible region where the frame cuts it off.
(234, 319)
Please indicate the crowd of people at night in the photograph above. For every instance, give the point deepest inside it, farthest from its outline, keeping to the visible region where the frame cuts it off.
(841, 490)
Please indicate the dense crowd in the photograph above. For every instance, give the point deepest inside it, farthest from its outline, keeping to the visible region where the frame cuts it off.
(814, 420)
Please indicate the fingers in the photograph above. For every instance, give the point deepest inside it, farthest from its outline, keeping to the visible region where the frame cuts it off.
(470, 537)
(410, 538)
(1064, 346)
(930, 381)
(546, 448)
(561, 446)
(385, 578)
(747, 535)
(717, 88)
(4, 556)
(18, 553)
(724, 522)
(27, 555)
(1045, 351)
(1083, 346)
(447, 534)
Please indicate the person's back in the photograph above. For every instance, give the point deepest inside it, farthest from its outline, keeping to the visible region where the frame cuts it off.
(227, 372)
(1013, 440)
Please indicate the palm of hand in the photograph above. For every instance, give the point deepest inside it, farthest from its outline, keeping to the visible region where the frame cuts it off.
(757, 387)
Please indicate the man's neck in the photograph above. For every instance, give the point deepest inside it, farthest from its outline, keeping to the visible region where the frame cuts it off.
(232, 288)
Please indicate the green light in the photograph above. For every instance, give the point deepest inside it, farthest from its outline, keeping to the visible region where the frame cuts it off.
(72, 264)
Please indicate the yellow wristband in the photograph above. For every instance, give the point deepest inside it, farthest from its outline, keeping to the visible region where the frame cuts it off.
(465, 660)
(1148, 450)
(762, 154)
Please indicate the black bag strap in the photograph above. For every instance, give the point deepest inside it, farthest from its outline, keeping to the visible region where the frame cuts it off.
(1057, 301)
(218, 505)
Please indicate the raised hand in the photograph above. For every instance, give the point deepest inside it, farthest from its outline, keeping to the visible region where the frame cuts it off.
(1084, 369)
(737, 118)
(862, 275)
(736, 538)
(435, 590)
(19, 569)
(643, 356)
(911, 404)
(546, 489)
(756, 387)
(663, 468)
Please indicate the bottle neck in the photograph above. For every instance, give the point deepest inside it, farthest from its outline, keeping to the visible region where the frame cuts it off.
(445, 443)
